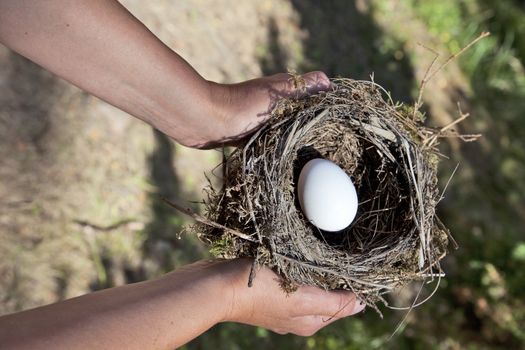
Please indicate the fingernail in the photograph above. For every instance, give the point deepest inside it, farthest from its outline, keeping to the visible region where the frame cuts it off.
(316, 81)
(358, 306)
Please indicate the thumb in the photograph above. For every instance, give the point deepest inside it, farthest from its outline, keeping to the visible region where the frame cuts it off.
(338, 304)
(314, 82)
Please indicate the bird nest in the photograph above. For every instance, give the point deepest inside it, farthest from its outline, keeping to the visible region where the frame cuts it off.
(391, 158)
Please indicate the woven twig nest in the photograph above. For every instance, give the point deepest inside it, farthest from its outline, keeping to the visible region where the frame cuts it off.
(392, 160)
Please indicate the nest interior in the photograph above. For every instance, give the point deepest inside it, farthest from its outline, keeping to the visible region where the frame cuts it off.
(391, 158)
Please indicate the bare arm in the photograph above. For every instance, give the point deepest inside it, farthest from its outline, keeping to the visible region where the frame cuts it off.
(100, 47)
(170, 311)
(157, 314)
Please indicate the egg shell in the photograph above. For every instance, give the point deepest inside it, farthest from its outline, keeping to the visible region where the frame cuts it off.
(327, 195)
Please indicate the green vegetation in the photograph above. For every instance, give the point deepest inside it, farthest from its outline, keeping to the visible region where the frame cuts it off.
(486, 209)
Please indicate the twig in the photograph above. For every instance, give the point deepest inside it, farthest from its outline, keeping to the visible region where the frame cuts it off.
(104, 228)
(205, 221)
(453, 56)
(424, 82)
(441, 133)
(448, 182)
(253, 270)
(429, 75)
(325, 270)
(415, 303)
(402, 322)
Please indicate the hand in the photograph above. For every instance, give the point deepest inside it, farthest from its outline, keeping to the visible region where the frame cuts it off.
(100, 47)
(240, 109)
(167, 312)
(265, 304)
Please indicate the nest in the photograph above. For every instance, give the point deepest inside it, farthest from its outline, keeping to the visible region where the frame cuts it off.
(391, 158)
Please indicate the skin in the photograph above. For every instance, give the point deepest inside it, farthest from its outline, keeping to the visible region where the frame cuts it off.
(170, 311)
(100, 47)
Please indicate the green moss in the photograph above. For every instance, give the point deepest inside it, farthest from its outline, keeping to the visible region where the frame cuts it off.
(222, 246)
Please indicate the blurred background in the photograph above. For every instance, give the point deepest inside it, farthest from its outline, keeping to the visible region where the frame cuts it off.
(80, 181)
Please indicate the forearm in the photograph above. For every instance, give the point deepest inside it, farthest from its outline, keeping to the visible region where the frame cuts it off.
(100, 47)
(160, 314)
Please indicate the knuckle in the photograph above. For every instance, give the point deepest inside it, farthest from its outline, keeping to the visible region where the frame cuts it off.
(321, 75)
(317, 79)
(315, 73)
(309, 326)
(280, 331)
(306, 332)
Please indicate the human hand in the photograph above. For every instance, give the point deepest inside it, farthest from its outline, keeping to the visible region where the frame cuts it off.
(153, 83)
(265, 304)
(240, 109)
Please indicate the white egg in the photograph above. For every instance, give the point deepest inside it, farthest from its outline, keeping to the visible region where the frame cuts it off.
(327, 195)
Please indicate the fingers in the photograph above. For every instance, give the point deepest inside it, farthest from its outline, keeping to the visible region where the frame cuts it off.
(346, 303)
(323, 309)
(304, 326)
(316, 81)
(307, 84)
(331, 304)
(296, 86)
(302, 312)
(307, 325)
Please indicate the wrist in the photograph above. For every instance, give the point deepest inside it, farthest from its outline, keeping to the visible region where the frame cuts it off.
(221, 284)
(203, 119)
(236, 293)
(204, 285)
(221, 113)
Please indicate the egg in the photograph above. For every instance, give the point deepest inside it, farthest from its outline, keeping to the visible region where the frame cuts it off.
(327, 195)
